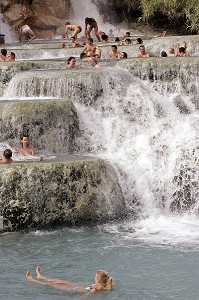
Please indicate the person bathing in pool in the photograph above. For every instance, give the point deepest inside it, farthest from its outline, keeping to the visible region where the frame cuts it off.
(25, 149)
(102, 282)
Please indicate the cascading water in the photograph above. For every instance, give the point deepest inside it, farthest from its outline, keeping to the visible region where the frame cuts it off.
(82, 9)
(150, 140)
(7, 31)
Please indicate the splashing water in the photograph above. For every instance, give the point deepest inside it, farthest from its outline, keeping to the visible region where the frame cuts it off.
(5, 29)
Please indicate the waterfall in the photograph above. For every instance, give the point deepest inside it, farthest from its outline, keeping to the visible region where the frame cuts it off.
(82, 9)
(6, 30)
(149, 137)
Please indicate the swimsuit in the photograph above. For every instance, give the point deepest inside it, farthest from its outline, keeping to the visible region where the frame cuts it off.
(25, 29)
(80, 29)
(89, 288)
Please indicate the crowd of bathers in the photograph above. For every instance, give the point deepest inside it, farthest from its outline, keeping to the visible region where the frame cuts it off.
(91, 53)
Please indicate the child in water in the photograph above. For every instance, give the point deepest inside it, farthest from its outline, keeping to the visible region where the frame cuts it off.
(102, 282)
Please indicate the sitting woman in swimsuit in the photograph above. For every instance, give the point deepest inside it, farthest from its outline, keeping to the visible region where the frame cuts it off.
(25, 149)
(102, 282)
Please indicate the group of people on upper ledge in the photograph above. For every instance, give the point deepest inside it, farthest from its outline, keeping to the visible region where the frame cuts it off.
(92, 52)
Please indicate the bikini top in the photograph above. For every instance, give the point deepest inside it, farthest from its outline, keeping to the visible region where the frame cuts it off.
(89, 288)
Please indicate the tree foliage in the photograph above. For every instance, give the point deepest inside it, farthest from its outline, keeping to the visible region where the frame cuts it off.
(185, 12)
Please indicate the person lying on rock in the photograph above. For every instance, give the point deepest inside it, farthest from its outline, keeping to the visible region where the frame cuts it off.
(7, 157)
(102, 282)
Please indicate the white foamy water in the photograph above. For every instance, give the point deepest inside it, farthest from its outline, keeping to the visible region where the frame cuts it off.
(87, 8)
(148, 137)
(5, 29)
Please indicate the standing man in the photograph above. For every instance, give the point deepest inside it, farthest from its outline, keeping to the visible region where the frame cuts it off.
(91, 24)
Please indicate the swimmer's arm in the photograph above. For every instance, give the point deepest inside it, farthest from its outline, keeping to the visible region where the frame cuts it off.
(85, 29)
(33, 152)
(185, 44)
(89, 293)
(67, 27)
(20, 34)
(85, 48)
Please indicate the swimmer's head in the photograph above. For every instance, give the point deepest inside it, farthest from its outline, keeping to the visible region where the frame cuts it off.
(163, 54)
(172, 51)
(7, 153)
(4, 52)
(97, 56)
(127, 41)
(92, 61)
(182, 50)
(104, 37)
(104, 279)
(117, 39)
(123, 55)
(127, 33)
(24, 141)
(83, 55)
(62, 45)
(90, 40)
(71, 60)
(114, 48)
(138, 41)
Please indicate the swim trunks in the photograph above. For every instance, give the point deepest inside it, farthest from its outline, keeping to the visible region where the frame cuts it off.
(80, 29)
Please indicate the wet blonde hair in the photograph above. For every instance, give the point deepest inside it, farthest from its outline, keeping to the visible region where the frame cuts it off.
(105, 280)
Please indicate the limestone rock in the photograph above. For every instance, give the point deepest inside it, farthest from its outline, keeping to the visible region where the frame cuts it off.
(46, 194)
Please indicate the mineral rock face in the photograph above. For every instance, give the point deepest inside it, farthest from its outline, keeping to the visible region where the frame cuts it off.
(45, 194)
(51, 125)
(41, 15)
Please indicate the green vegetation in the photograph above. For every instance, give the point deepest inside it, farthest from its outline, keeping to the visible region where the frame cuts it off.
(174, 14)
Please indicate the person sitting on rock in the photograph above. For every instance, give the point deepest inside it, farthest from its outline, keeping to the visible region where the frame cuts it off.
(114, 53)
(138, 41)
(90, 48)
(102, 282)
(24, 149)
(7, 157)
(71, 63)
(142, 52)
(27, 32)
(181, 51)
